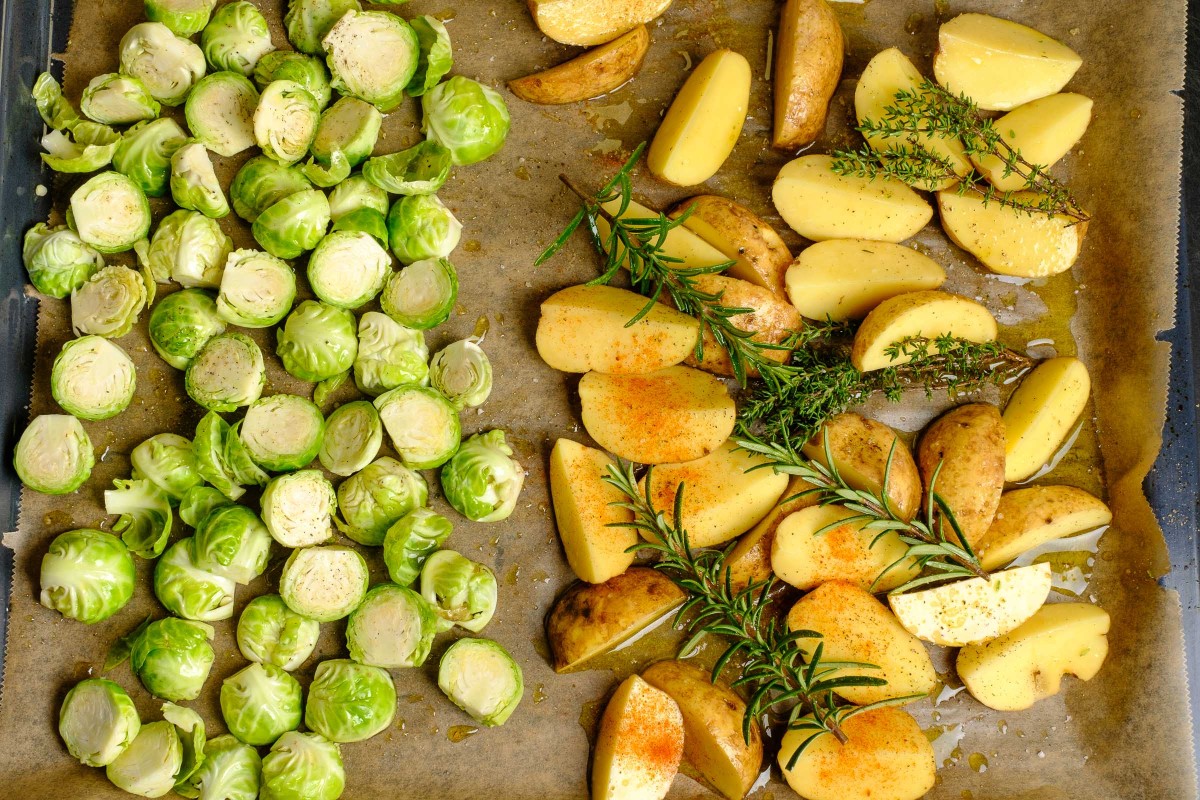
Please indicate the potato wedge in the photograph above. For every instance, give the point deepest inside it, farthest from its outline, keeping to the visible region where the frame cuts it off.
(722, 498)
(773, 320)
(750, 560)
(639, 746)
(886, 757)
(805, 557)
(597, 72)
(1009, 242)
(676, 414)
(1043, 131)
(1041, 414)
(927, 314)
(585, 328)
(854, 626)
(586, 23)
(712, 727)
(758, 254)
(590, 619)
(819, 204)
(964, 448)
(860, 448)
(1027, 664)
(809, 50)
(1028, 518)
(583, 512)
(681, 243)
(975, 610)
(704, 121)
(1000, 64)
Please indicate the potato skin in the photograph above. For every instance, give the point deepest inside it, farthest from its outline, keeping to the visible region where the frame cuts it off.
(968, 443)
(860, 448)
(809, 51)
(750, 560)
(760, 254)
(592, 74)
(773, 320)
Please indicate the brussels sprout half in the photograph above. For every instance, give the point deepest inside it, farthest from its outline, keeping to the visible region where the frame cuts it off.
(172, 657)
(97, 721)
(257, 289)
(355, 193)
(353, 436)
(366, 220)
(166, 64)
(411, 540)
(268, 632)
(93, 378)
(86, 575)
(286, 121)
(298, 508)
(353, 46)
(324, 583)
(351, 126)
(260, 703)
(182, 323)
(420, 227)
(436, 55)
(308, 21)
(183, 17)
(350, 702)
(194, 183)
(54, 454)
(293, 225)
(167, 460)
(190, 248)
(231, 770)
(148, 766)
(283, 432)
(462, 372)
(85, 147)
(144, 154)
(145, 516)
(110, 212)
(308, 71)
(109, 304)
(348, 269)
(421, 295)
(115, 99)
(483, 481)
(236, 37)
(57, 260)
(188, 591)
(422, 424)
(467, 118)
(375, 497)
(199, 502)
(422, 169)
(232, 542)
(394, 627)
(317, 341)
(261, 183)
(220, 112)
(303, 766)
(461, 591)
(482, 679)
(227, 373)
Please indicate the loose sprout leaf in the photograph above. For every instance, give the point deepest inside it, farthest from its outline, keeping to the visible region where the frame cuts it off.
(56, 111)
(84, 147)
(436, 55)
(422, 169)
(145, 516)
(324, 389)
(119, 652)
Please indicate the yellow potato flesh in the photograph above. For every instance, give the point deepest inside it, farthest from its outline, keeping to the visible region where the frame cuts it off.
(758, 253)
(843, 279)
(1041, 413)
(583, 511)
(819, 204)
(639, 746)
(1043, 131)
(704, 122)
(681, 243)
(1028, 518)
(861, 449)
(1027, 664)
(1010, 242)
(586, 23)
(1000, 64)
(805, 558)
(584, 328)
(750, 560)
(927, 314)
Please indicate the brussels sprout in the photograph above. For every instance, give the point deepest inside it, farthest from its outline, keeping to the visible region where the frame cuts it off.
(58, 261)
(54, 454)
(220, 112)
(257, 289)
(199, 502)
(208, 445)
(366, 220)
(188, 591)
(421, 295)
(351, 126)
(236, 38)
(283, 432)
(110, 212)
(324, 583)
(326, 388)
(144, 154)
(232, 542)
(55, 109)
(483, 481)
(348, 269)
(113, 99)
(109, 303)
(394, 627)
(308, 71)
(230, 771)
(353, 45)
(92, 378)
(192, 737)
(286, 121)
(349, 702)
(298, 508)
(353, 436)
(482, 679)
(436, 56)
(172, 657)
(303, 766)
(461, 591)
(318, 341)
(410, 541)
(308, 21)
(97, 721)
(194, 183)
(269, 632)
(420, 227)
(355, 193)
(260, 703)
(182, 323)
(167, 461)
(85, 147)
(145, 516)
(293, 225)
(183, 17)
(227, 373)
(166, 64)
(422, 424)
(87, 575)
(467, 118)
(147, 767)
(261, 183)
(375, 497)
(462, 372)
(189, 247)
(418, 170)
(325, 177)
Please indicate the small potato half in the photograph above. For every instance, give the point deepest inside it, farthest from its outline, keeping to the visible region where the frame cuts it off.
(585, 515)
(860, 448)
(1010, 242)
(964, 449)
(758, 253)
(1028, 518)
(1041, 414)
(809, 51)
(750, 560)
(772, 320)
(928, 314)
(592, 74)
(818, 544)
(586, 23)
(639, 746)
(1043, 131)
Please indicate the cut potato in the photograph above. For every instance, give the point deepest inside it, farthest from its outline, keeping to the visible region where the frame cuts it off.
(758, 254)
(586, 328)
(1000, 64)
(964, 448)
(597, 72)
(854, 626)
(843, 279)
(750, 560)
(704, 121)
(590, 619)
(806, 558)
(1041, 414)
(584, 510)
(1027, 664)
(712, 727)
(722, 497)
(1010, 242)
(639, 746)
(890, 72)
(1042, 131)
(819, 204)
(773, 320)
(809, 50)
(886, 757)
(974, 610)
(676, 414)
(928, 314)
(860, 448)
(681, 243)
(1028, 518)
(586, 23)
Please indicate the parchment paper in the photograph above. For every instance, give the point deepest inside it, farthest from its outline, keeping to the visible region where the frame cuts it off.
(1125, 735)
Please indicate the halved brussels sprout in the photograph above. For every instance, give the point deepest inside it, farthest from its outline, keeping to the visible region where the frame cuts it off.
(436, 55)
(422, 424)
(87, 575)
(144, 154)
(257, 289)
(308, 21)
(145, 516)
(232, 542)
(92, 378)
(394, 627)
(84, 147)
(353, 436)
(420, 227)
(348, 269)
(366, 220)
(166, 64)
(318, 341)
(269, 632)
(148, 766)
(56, 111)
(467, 118)
(353, 45)
(109, 304)
(411, 540)
(298, 509)
(422, 169)
(261, 183)
(183, 17)
(54, 454)
(227, 373)
(230, 771)
(303, 766)
(294, 224)
(236, 37)
(324, 583)
(172, 657)
(283, 432)
(97, 721)
(462, 372)
(198, 503)
(483, 480)
(308, 71)
(260, 703)
(375, 497)
(167, 461)
(114, 99)
(461, 591)
(193, 738)
(421, 295)
(354, 193)
(190, 592)
(58, 261)
(286, 121)
(110, 212)
(220, 112)
(189, 247)
(351, 126)
(482, 679)
(212, 432)
(327, 176)
(182, 323)
(194, 183)
(350, 702)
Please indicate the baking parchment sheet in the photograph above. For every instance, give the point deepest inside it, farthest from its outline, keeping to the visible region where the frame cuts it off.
(1123, 736)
